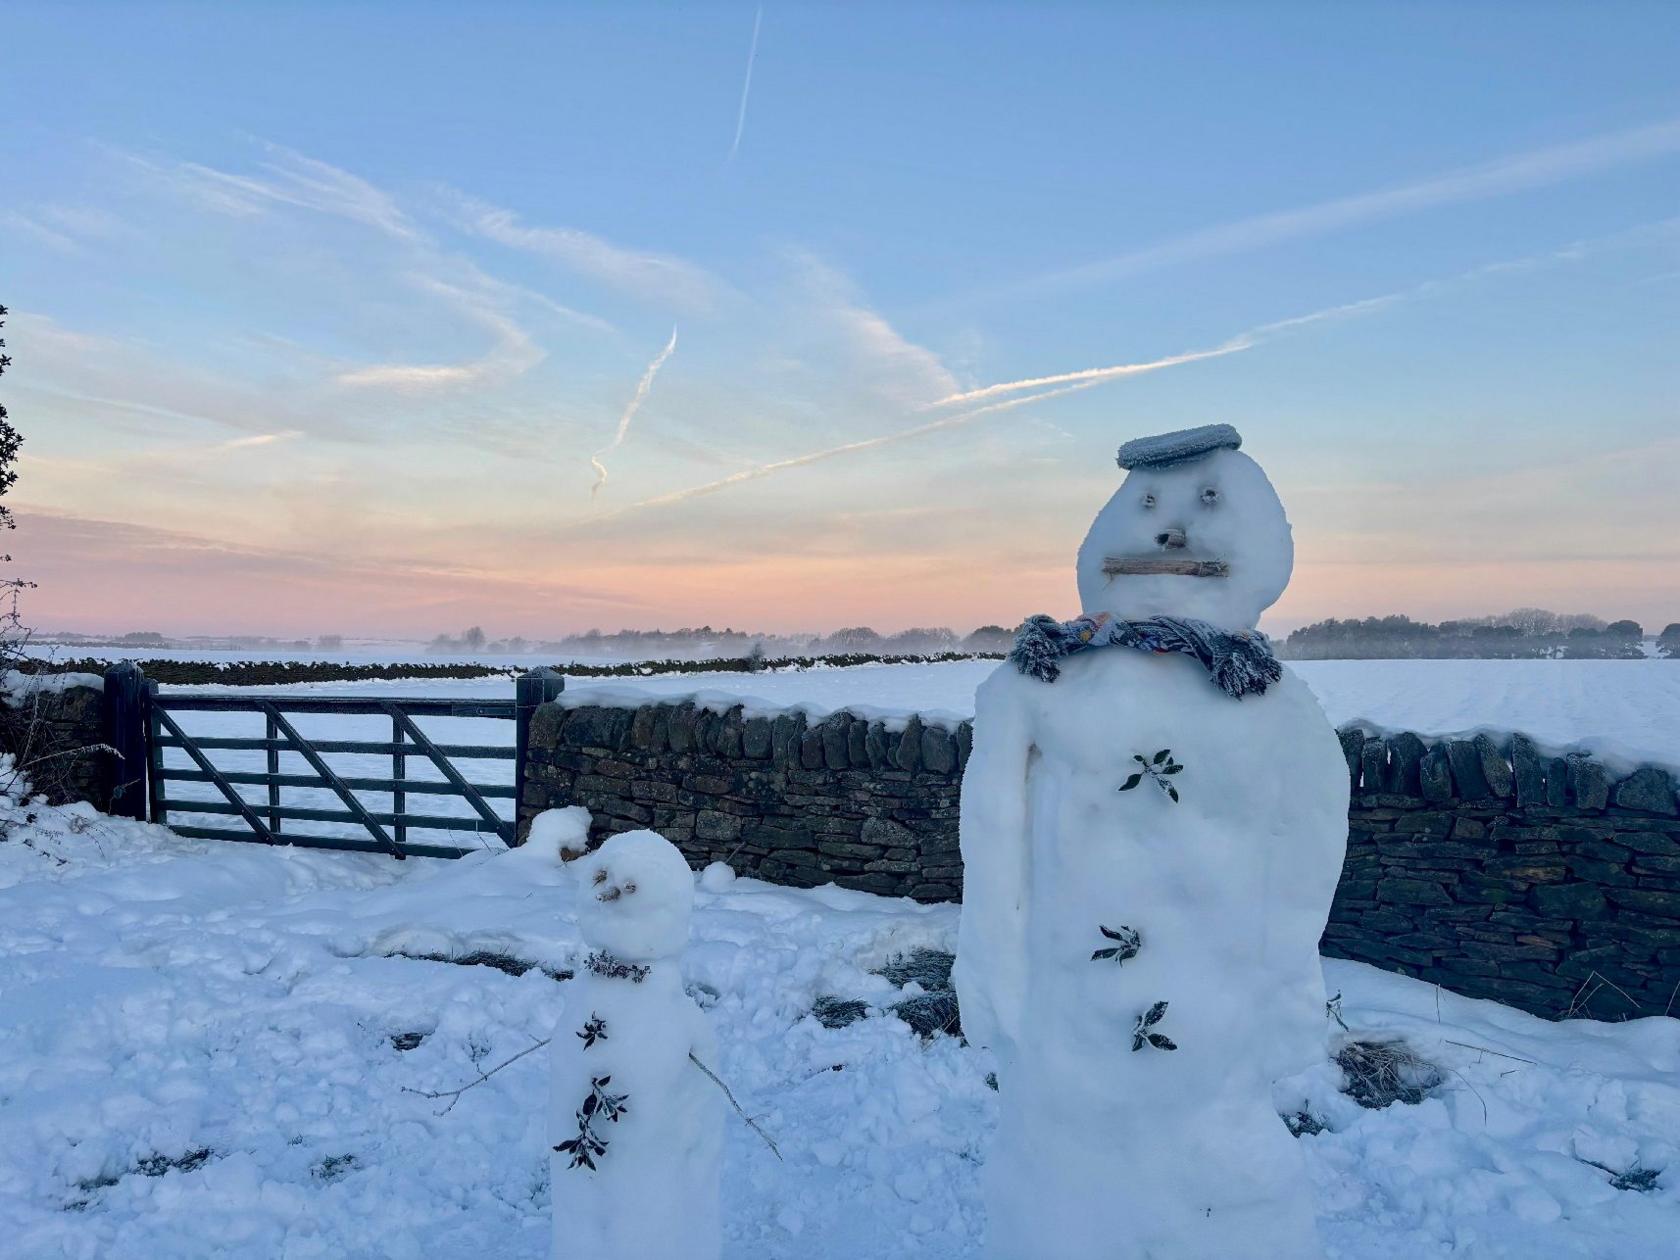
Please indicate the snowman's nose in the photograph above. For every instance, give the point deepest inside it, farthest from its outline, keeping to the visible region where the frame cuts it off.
(1172, 539)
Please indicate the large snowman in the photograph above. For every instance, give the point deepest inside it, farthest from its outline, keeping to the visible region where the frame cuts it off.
(635, 1126)
(1153, 824)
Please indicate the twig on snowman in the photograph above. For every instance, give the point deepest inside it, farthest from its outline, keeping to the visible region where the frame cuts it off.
(588, 1144)
(1158, 768)
(750, 1122)
(1141, 1036)
(454, 1095)
(594, 1029)
(1128, 942)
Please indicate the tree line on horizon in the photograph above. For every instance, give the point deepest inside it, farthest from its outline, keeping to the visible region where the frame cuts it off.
(1522, 634)
(707, 641)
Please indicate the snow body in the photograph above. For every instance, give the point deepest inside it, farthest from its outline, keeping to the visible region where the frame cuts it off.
(627, 1032)
(559, 834)
(1153, 1153)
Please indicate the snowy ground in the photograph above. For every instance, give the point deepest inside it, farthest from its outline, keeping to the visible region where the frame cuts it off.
(197, 1059)
(1624, 711)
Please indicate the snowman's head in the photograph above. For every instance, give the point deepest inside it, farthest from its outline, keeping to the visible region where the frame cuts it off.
(1195, 530)
(634, 897)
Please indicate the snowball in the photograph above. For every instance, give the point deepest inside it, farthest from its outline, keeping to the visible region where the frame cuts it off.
(1222, 508)
(634, 897)
(559, 835)
(717, 877)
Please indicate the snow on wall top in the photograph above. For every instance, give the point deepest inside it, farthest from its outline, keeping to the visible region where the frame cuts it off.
(1627, 713)
(16, 688)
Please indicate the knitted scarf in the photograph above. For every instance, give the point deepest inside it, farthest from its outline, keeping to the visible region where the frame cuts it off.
(1240, 663)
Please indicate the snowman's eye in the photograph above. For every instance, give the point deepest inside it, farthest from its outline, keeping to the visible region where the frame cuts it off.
(629, 887)
(601, 876)
(1210, 496)
(1148, 501)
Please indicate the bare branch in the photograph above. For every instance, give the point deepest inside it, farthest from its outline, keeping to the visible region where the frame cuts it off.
(1517, 1058)
(454, 1095)
(1145, 566)
(750, 1122)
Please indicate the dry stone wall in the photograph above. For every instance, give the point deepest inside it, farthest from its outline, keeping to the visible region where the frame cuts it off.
(1546, 883)
(1542, 882)
(844, 800)
(56, 732)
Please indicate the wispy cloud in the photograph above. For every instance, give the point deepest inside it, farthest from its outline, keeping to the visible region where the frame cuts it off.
(13, 221)
(1535, 169)
(411, 377)
(513, 354)
(891, 364)
(647, 275)
(288, 180)
(643, 386)
(64, 228)
(256, 439)
(291, 179)
(746, 88)
(296, 180)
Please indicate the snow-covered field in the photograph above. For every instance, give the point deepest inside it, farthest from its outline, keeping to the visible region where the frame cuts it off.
(197, 1059)
(1626, 710)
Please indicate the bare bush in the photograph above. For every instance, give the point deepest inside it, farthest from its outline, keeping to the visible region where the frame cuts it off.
(1377, 1074)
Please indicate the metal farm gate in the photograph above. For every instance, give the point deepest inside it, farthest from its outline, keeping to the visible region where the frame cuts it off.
(306, 787)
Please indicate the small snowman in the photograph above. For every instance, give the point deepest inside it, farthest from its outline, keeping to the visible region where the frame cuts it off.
(635, 1127)
(1153, 824)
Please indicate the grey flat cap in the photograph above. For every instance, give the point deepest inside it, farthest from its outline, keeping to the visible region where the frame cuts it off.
(1167, 449)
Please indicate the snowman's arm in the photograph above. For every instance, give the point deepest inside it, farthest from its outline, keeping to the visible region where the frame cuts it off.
(990, 975)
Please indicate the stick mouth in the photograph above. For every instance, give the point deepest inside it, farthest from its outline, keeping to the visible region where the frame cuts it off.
(1163, 566)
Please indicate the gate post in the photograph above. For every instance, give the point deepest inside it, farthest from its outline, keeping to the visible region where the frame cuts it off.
(125, 732)
(531, 691)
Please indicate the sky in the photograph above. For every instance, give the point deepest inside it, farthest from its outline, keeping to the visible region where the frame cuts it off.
(381, 319)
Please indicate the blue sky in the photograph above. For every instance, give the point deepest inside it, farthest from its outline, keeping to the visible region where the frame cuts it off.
(319, 313)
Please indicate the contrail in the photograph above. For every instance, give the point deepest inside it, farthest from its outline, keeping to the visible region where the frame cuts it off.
(1347, 310)
(634, 405)
(851, 448)
(746, 88)
(1092, 376)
